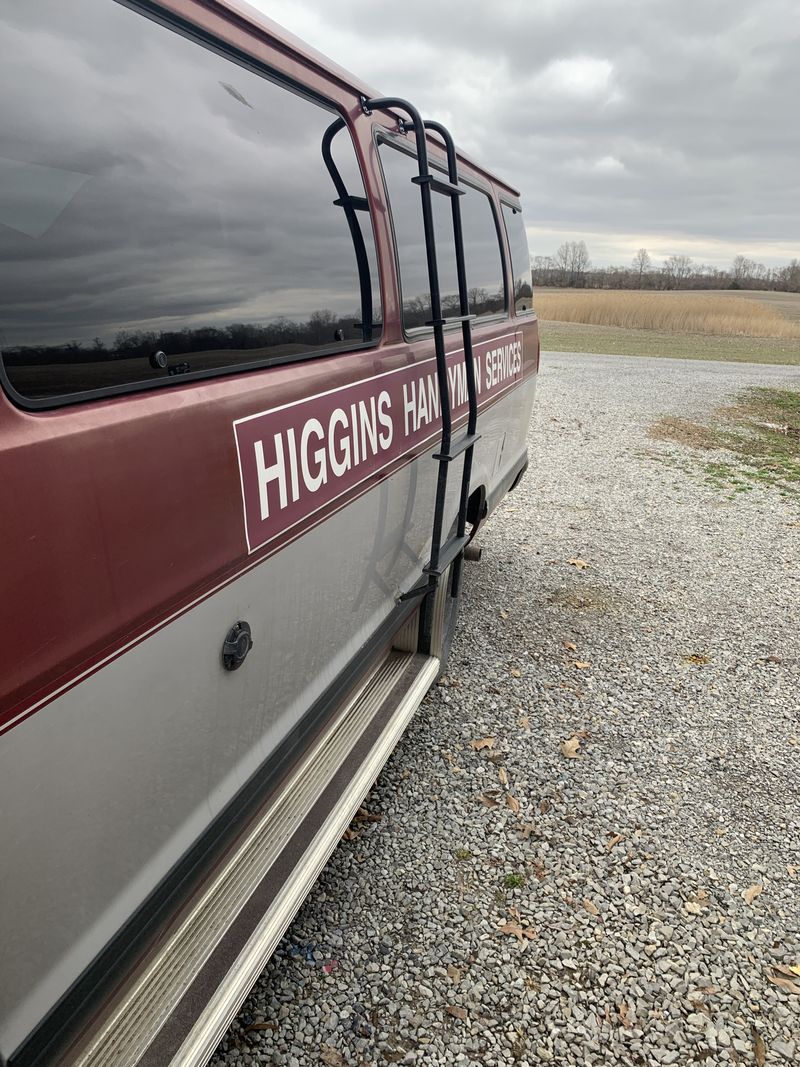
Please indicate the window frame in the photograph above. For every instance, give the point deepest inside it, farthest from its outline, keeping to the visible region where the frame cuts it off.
(517, 209)
(204, 39)
(415, 333)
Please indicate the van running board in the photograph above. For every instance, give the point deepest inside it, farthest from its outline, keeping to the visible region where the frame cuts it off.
(178, 1007)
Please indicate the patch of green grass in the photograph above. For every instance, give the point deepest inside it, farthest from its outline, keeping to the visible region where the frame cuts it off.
(462, 853)
(616, 341)
(760, 434)
(514, 881)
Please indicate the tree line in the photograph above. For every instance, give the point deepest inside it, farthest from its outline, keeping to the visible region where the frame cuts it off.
(571, 266)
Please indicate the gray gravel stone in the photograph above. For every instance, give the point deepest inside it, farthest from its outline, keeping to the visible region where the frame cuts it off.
(634, 856)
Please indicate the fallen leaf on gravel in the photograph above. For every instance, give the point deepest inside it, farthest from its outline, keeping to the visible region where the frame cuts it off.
(396, 1056)
(570, 646)
(516, 673)
(759, 1048)
(581, 664)
(623, 1015)
(692, 907)
(362, 815)
(503, 614)
(489, 800)
(483, 742)
(570, 747)
(544, 805)
(515, 930)
(260, 1026)
(615, 840)
(591, 907)
(453, 973)
(331, 1056)
(523, 722)
(751, 893)
(539, 870)
(527, 829)
(697, 659)
(502, 774)
(457, 1012)
(784, 983)
(773, 659)
(581, 564)
(513, 803)
(792, 871)
(794, 740)
(351, 835)
(789, 972)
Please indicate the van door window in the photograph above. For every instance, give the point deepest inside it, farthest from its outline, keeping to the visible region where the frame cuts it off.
(484, 264)
(520, 258)
(166, 211)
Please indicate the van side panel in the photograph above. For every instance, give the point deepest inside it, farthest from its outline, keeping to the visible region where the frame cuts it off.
(127, 555)
(133, 760)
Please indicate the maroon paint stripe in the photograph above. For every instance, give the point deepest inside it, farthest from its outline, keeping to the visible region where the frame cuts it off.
(18, 713)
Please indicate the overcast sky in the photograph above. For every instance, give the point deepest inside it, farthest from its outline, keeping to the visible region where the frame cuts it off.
(668, 124)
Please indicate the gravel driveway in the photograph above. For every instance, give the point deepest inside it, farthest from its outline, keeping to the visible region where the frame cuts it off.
(572, 891)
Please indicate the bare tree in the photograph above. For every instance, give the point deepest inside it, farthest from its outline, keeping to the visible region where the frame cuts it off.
(580, 261)
(743, 269)
(642, 264)
(676, 270)
(572, 261)
(561, 262)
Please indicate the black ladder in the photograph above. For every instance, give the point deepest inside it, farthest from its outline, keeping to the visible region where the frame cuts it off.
(451, 551)
(350, 205)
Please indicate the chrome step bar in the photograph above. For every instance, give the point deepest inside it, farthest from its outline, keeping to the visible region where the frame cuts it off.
(131, 1027)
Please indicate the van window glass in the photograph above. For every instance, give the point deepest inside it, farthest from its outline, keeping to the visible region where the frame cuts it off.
(520, 258)
(156, 197)
(482, 254)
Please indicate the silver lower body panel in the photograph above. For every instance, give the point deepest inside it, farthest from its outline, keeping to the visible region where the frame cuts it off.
(152, 1020)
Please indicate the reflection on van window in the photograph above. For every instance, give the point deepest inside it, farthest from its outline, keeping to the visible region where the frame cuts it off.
(164, 210)
(520, 258)
(482, 254)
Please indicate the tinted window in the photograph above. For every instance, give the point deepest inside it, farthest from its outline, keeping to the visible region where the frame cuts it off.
(481, 245)
(520, 258)
(156, 197)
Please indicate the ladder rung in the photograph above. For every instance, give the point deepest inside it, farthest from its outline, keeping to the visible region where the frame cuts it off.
(456, 448)
(417, 591)
(450, 319)
(357, 203)
(448, 552)
(438, 185)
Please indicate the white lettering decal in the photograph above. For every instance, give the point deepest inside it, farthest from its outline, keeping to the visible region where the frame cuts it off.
(275, 473)
(313, 481)
(338, 418)
(410, 406)
(368, 426)
(385, 419)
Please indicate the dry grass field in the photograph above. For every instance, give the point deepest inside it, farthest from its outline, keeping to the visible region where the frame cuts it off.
(728, 325)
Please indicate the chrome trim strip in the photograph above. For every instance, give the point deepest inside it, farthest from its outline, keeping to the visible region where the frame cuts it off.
(207, 1032)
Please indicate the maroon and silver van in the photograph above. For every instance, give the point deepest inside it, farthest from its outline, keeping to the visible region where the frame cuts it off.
(267, 357)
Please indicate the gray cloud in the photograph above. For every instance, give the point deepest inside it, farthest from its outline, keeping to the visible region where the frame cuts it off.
(676, 122)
